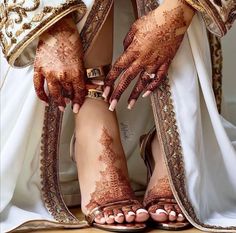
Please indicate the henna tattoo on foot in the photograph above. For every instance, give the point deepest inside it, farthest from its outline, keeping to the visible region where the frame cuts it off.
(113, 185)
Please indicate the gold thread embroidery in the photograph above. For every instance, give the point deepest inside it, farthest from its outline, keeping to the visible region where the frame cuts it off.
(12, 15)
(51, 135)
(93, 23)
(167, 129)
(216, 60)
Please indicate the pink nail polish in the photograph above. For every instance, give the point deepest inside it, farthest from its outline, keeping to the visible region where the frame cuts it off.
(76, 108)
(131, 104)
(106, 92)
(113, 105)
(62, 109)
(146, 94)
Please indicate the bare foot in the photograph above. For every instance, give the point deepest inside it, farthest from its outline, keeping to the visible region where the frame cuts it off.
(102, 167)
(159, 199)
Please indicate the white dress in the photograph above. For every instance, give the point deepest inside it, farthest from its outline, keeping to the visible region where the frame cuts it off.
(208, 151)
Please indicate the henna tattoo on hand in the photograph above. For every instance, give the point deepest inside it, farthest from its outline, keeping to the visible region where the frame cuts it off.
(150, 46)
(113, 185)
(59, 60)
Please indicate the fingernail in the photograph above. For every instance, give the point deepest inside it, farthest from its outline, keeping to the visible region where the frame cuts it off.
(131, 104)
(120, 215)
(142, 211)
(146, 94)
(76, 108)
(67, 100)
(46, 104)
(172, 213)
(131, 213)
(113, 105)
(62, 109)
(106, 92)
(98, 82)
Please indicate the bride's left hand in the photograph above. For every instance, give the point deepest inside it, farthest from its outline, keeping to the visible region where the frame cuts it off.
(150, 46)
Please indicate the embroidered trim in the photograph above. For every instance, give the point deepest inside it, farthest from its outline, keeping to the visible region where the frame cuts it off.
(49, 167)
(95, 21)
(167, 130)
(217, 61)
(51, 131)
(8, 39)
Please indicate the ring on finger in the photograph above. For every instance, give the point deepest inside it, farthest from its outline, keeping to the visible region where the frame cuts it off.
(151, 76)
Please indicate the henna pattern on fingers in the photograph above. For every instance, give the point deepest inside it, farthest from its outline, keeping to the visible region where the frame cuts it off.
(152, 41)
(59, 60)
(113, 185)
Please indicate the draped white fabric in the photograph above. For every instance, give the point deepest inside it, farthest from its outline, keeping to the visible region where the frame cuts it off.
(210, 159)
(208, 151)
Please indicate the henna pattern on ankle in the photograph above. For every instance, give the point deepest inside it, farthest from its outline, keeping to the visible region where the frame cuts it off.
(161, 190)
(113, 185)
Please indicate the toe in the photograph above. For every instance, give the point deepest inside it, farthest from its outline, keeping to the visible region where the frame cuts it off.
(119, 216)
(180, 215)
(109, 216)
(158, 213)
(100, 219)
(141, 214)
(171, 212)
(129, 214)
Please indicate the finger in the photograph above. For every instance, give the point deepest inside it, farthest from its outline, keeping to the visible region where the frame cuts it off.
(161, 74)
(76, 108)
(129, 37)
(67, 89)
(39, 86)
(140, 86)
(126, 79)
(124, 61)
(79, 92)
(55, 91)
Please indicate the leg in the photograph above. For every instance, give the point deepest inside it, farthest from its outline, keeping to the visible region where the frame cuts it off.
(159, 189)
(100, 158)
(101, 163)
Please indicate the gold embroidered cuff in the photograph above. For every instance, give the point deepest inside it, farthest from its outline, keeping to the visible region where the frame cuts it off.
(22, 23)
(218, 15)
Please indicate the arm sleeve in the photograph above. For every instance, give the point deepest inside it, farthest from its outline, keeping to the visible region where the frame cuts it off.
(219, 15)
(22, 22)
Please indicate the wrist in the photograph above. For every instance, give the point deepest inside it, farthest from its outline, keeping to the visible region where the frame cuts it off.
(188, 10)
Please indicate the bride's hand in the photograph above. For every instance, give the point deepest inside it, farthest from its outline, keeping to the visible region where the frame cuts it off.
(150, 46)
(59, 61)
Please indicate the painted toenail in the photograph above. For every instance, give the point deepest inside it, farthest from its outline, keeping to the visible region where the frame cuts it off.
(131, 213)
(172, 213)
(180, 215)
(111, 216)
(161, 211)
(142, 211)
(120, 215)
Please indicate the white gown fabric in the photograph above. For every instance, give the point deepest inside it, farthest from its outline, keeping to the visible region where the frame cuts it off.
(208, 141)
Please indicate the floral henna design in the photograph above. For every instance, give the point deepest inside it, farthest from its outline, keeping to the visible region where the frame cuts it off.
(113, 184)
(59, 60)
(159, 191)
(150, 46)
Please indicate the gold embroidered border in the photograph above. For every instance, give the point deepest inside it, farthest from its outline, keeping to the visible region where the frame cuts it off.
(95, 21)
(211, 15)
(58, 13)
(51, 132)
(167, 130)
(216, 60)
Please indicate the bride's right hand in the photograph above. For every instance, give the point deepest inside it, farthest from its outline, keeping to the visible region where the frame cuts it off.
(59, 61)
